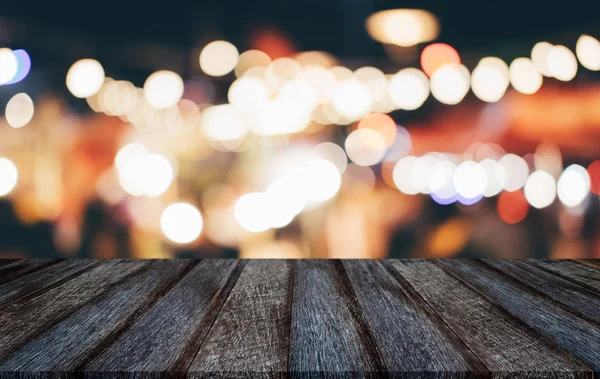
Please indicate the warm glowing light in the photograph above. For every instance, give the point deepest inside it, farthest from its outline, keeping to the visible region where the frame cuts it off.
(588, 52)
(181, 223)
(540, 189)
(374, 79)
(282, 116)
(516, 171)
(163, 89)
(470, 180)
(450, 83)
(321, 81)
(218, 58)
(85, 78)
(251, 212)
(352, 99)
(315, 58)
(381, 123)
(594, 173)
(285, 201)
(127, 153)
(223, 123)
(409, 88)
(281, 70)
(24, 65)
(512, 207)
(318, 180)
(249, 59)
(437, 55)
(401, 146)
(441, 182)
(9, 65)
(412, 175)
(146, 174)
(524, 77)
(365, 147)
(403, 27)
(562, 63)
(19, 110)
(333, 153)
(539, 57)
(573, 185)
(9, 176)
(496, 177)
(341, 73)
(248, 94)
(489, 79)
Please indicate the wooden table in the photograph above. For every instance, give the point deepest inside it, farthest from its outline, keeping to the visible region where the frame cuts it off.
(273, 318)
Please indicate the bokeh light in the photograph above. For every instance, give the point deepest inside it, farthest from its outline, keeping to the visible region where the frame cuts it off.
(490, 80)
(562, 63)
(9, 65)
(594, 173)
(539, 57)
(9, 176)
(218, 58)
(409, 88)
(412, 175)
(365, 147)
(19, 110)
(470, 180)
(24, 65)
(441, 182)
(437, 55)
(540, 189)
(381, 123)
(450, 83)
(181, 223)
(333, 153)
(588, 52)
(512, 207)
(496, 177)
(163, 89)
(127, 153)
(317, 180)
(573, 186)
(516, 171)
(374, 79)
(251, 212)
(223, 123)
(249, 59)
(281, 70)
(352, 99)
(248, 94)
(85, 78)
(524, 77)
(282, 116)
(146, 174)
(403, 27)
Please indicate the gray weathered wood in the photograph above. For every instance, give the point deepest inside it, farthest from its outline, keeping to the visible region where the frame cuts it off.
(576, 271)
(69, 344)
(506, 345)
(578, 299)
(251, 334)
(22, 267)
(575, 335)
(168, 336)
(424, 343)
(329, 333)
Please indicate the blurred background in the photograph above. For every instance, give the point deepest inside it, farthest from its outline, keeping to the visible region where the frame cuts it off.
(313, 129)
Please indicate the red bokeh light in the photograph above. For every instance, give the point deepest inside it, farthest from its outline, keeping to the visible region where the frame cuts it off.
(381, 123)
(512, 207)
(594, 172)
(436, 55)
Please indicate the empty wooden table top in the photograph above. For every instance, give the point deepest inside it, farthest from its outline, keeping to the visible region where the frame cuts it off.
(277, 318)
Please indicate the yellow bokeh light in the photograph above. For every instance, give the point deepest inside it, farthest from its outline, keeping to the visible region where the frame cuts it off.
(333, 153)
(403, 27)
(409, 88)
(19, 110)
(250, 59)
(524, 77)
(374, 79)
(181, 223)
(490, 79)
(146, 174)
(588, 52)
(283, 115)
(315, 58)
(280, 71)
(85, 78)
(223, 123)
(539, 57)
(470, 180)
(248, 94)
(9, 65)
(450, 83)
(219, 58)
(352, 99)
(250, 212)
(9, 176)
(163, 89)
(365, 147)
(562, 63)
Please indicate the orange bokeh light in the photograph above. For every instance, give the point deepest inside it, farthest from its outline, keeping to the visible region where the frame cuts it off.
(512, 207)
(594, 172)
(381, 123)
(436, 55)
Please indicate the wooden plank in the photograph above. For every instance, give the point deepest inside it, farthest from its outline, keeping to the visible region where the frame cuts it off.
(409, 334)
(329, 333)
(506, 345)
(251, 334)
(70, 343)
(168, 336)
(577, 336)
(7, 261)
(576, 271)
(50, 276)
(22, 267)
(576, 298)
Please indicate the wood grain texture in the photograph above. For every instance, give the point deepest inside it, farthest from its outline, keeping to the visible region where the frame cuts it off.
(168, 336)
(507, 346)
(575, 335)
(575, 271)
(329, 333)
(424, 343)
(576, 298)
(70, 344)
(251, 335)
(22, 267)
